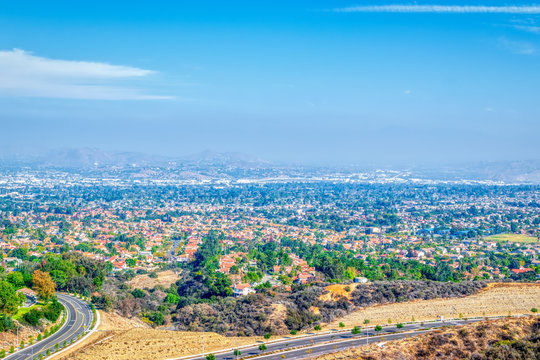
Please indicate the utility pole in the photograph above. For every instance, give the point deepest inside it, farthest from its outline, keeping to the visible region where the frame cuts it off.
(203, 344)
(367, 337)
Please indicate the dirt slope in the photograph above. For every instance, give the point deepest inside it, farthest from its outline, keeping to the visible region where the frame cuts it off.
(496, 299)
(453, 343)
(165, 279)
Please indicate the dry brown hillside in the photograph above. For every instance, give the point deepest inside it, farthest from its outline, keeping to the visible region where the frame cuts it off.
(496, 299)
(502, 339)
(164, 278)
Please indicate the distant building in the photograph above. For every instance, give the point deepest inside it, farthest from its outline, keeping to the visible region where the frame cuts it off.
(242, 290)
(373, 230)
(304, 278)
(361, 280)
(31, 296)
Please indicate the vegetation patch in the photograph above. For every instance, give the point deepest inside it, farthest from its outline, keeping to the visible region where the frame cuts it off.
(514, 238)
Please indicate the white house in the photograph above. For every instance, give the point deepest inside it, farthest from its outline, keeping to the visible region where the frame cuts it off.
(242, 290)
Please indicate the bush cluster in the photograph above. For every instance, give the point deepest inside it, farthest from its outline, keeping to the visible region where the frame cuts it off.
(381, 292)
(51, 312)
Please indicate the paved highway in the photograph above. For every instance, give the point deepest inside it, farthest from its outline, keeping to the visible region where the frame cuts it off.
(336, 341)
(79, 318)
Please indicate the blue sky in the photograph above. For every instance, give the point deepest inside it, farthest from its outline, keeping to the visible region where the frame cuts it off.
(306, 81)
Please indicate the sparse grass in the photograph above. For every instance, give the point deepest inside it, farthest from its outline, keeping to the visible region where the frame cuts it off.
(516, 238)
(164, 278)
(496, 299)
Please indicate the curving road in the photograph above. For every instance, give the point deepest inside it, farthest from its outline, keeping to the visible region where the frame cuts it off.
(79, 318)
(319, 344)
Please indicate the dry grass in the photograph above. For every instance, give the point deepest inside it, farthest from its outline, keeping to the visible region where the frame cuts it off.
(451, 343)
(126, 342)
(165, 279)
(337, 291)
(109, 325)
(496, 299)
(111, 321)
(151, 344)
(129, 339)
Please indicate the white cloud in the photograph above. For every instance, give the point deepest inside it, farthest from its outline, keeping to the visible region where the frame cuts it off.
(407, 92)
(473, 9)
(24, 74)
(528, 28)
(517, 47)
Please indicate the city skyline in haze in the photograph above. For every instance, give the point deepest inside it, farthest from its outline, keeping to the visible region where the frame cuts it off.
(318, 82)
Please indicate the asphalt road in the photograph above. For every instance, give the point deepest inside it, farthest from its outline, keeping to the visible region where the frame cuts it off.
(327, 343)
(79, 318)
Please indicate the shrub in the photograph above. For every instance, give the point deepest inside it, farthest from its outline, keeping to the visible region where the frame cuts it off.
(262, 347)
(12, 349)
(210, 357)
(2, 354)
(52, 311)
(378, 328)
(237, 352)
(366, 321)
(6, 323)
(356, 330)
(534, 310)
(138, 293)
(399, 326)
(293, 332)
(32, 317)
(341, 325)
(317, 327)
(381, 292)
(157, 318)
(267, 336)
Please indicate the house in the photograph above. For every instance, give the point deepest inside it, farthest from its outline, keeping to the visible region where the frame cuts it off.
(242, 290)
(119, 265)
(303, 278)
(31, 296)
(361, 280)
(521, 270)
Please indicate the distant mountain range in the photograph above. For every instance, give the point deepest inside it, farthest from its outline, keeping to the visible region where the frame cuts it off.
(505, 171)
(215, 165)
(92, 158)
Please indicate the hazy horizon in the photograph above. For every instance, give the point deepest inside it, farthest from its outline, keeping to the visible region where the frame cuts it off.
(318, 82)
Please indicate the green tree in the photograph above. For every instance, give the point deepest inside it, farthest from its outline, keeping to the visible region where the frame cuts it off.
(9, 299)
(16, 279)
